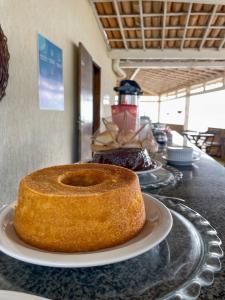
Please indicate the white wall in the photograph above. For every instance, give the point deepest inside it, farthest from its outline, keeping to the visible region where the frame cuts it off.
(30, 138)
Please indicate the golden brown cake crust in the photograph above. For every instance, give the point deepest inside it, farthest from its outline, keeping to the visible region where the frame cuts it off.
(81, 207)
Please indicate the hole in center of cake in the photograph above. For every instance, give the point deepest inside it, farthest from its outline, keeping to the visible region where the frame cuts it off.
(82, 179)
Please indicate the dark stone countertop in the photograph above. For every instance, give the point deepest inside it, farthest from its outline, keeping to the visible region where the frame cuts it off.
(202, 187)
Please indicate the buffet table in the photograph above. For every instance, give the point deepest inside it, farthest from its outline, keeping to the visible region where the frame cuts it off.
(202, 188)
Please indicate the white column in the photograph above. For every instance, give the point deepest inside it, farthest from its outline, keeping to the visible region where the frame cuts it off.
(159, 107)
(187, 108)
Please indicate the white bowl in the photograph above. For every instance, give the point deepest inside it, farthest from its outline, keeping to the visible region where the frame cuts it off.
(176, 153)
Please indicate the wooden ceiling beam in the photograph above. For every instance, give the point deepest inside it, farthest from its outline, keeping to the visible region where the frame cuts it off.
(120, 23)
(175, 64)
(166, 39)
(159, 79)
(186, 26)
(190, 83)
(142, 24)
(176, 77)
(162, 78)
(134, 74)
(176, 54)
(211, 19)
(100, 25)
(219, 2)
(169, 14)
(150, 92)
(222, 44)
(183, 76)
(163, 84)
(164, 24)
(166, 27)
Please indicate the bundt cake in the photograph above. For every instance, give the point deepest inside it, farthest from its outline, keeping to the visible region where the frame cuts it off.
(135, 159)
(81, 207)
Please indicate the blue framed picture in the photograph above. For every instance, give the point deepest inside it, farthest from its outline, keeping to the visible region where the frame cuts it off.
(51, 87)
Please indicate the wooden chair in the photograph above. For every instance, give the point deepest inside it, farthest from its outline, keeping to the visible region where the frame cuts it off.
(213, 145)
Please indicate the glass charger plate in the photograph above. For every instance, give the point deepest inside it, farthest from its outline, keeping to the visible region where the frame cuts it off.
(175, 269)
(162, 177)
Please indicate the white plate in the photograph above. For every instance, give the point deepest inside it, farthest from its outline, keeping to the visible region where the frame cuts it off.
(158, 225)
(10, 295)
(158, 166)
(181, 163)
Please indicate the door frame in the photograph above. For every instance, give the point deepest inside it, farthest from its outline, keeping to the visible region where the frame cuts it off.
(96, 96)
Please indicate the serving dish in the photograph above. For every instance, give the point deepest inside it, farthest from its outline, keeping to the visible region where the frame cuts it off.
(166, 175)
(158, 225)
(175, 269)
(158, 166)
(181, 163)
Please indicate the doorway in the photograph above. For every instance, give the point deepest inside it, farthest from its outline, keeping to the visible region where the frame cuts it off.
(89, 102)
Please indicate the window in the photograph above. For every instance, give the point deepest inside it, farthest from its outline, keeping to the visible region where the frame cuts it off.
(181, 93)
(197, 89)
(207, 110)
(214, 85)
(172, 112)
(148, 106)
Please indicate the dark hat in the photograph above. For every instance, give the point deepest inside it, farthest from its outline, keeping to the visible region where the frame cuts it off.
(128, 87)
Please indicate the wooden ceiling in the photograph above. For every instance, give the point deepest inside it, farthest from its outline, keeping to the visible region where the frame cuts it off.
(160, 81)
(128, 24)
(149, 32)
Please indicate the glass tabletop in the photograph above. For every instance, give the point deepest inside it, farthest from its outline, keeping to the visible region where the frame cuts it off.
(175, 269)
